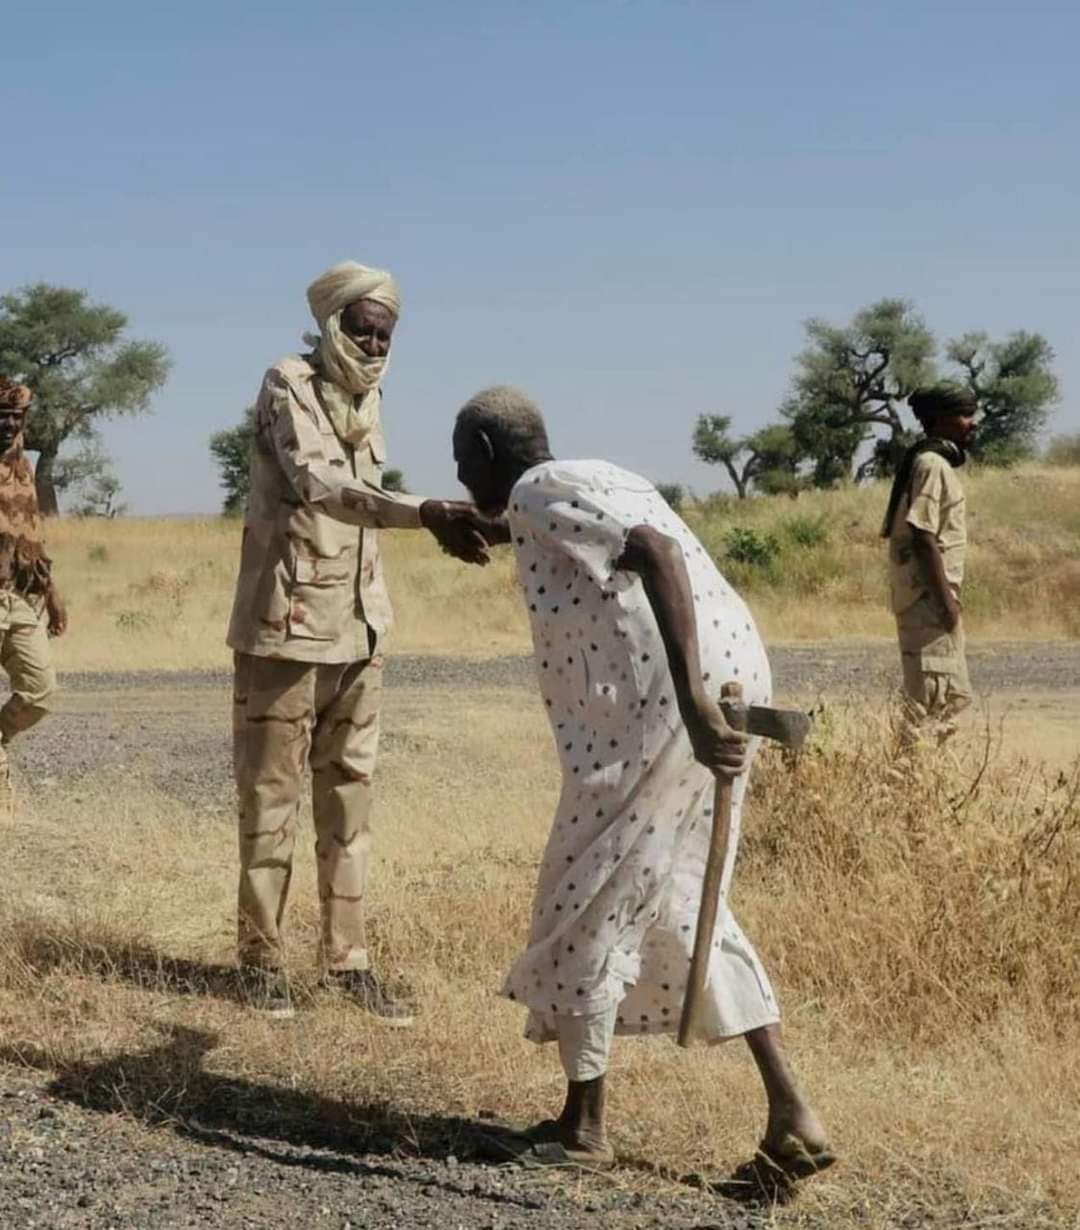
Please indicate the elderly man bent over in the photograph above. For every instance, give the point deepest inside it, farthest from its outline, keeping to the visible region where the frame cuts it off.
(308, 628)
(634, 631)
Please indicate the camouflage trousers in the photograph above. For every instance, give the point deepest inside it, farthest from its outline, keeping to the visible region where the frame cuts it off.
(24, 655)
(934, 663)
(287, 714)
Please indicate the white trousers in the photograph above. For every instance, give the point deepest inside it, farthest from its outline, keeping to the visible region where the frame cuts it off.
(585, 1043)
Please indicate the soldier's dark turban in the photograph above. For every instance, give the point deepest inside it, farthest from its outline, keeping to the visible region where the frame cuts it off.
(14, 396)
(945, 397)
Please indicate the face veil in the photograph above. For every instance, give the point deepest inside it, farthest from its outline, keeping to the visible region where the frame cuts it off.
(351, 378)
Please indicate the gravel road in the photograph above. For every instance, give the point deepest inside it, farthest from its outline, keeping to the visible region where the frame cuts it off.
(171, 730)
(797, 669)
(66, 1166)
(70, 1157)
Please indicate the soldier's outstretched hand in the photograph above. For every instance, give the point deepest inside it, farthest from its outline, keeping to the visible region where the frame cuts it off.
(458, 529)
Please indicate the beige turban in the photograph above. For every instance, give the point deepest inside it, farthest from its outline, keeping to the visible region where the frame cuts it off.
(347, 282)
(14, 396)
(351, 378)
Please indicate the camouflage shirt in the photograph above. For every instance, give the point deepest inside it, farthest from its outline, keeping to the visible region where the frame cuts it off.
(311, 581)
(935, 503)
(24, 567)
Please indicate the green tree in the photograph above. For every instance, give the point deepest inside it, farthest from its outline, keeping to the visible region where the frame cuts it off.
(231, 449)
(82, 368)
(673, 494)
(778, 460)
(769, 458)
(86, 481)
(394, 480)
(1015, 388)
(850, 382)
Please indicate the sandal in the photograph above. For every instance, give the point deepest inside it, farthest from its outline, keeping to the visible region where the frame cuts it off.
(529, 1148)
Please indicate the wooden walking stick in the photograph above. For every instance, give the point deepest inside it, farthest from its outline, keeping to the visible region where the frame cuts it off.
(710, 885)
(787, 727)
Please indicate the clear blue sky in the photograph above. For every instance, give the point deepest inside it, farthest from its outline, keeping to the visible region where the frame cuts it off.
(626, 206)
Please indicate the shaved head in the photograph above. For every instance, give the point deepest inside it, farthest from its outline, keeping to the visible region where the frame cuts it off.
(509, 418)
(499, 434)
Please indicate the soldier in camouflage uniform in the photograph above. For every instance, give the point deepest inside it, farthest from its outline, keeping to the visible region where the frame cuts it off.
(927, 533)
(27, 593)
(308, 629)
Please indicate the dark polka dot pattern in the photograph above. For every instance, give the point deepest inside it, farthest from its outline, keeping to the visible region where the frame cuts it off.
(618, 888)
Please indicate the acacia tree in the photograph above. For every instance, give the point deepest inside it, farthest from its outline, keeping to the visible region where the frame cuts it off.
(849, 385)
(88, 484)
(74, 355)
(394, 480)
(769, 458)
(232, 452)
(1015, 387)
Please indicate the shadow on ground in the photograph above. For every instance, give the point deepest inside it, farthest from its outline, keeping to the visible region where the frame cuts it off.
(167, 1084)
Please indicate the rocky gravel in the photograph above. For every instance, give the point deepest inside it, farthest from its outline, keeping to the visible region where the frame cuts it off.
(65, 1166)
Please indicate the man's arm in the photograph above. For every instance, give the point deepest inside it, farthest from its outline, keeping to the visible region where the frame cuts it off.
(659, 562)
(298, 447)
(495, 530)
(932, 563)
(458, 528)
(56, 610)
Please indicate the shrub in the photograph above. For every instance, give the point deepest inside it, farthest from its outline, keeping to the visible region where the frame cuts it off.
(805, 531)
(98, 553)
(747, 546)
(135, 620)
(673, 493)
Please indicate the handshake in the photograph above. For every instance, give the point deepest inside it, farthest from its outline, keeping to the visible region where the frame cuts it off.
(462, 530)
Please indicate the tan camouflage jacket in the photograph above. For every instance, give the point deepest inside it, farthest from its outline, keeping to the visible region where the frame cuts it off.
(311, 581)
(24, 566)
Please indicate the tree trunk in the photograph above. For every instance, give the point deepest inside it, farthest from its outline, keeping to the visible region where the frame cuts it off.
(736, 478)
(46, 489)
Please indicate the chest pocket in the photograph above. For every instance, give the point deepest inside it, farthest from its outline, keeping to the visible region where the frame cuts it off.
(321, 598)
(371, 457)
(333, 449)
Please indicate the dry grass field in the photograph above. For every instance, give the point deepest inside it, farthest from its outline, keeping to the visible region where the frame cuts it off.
(922, 931)
(920, 921)
(157, 594)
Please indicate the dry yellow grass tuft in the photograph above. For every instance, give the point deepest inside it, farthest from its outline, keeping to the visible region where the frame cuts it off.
(922, 934)
(157, 594)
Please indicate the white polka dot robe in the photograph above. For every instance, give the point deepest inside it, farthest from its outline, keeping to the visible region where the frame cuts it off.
(620, 882)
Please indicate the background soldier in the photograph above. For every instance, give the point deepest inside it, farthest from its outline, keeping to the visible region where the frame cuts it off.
(927, 533)
(26, 588)
(308, 627)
